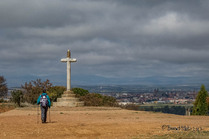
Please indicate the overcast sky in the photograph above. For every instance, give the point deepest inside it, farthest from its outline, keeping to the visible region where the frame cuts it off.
(114, 41)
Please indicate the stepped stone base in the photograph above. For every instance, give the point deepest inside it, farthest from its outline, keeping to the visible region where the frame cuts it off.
(68, 99)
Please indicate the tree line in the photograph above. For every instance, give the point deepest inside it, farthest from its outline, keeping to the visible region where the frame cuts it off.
(32, 89)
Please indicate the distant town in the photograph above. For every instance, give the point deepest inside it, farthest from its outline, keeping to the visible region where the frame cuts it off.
(138, 94)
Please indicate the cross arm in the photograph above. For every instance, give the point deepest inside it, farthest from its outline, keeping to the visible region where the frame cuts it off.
(68, 60)
(63, 60)
(73, 60)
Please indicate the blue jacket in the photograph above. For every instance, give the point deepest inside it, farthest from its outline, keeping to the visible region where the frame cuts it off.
(49, 102)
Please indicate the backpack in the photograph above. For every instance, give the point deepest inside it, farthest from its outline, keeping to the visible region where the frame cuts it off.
(44, 101)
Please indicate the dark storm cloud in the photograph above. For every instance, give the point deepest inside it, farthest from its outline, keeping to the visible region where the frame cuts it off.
(110, 38)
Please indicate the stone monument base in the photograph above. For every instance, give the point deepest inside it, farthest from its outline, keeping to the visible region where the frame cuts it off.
(68, 99)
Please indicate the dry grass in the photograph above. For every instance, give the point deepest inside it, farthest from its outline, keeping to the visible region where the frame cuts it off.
(96, 122)
(4, 107)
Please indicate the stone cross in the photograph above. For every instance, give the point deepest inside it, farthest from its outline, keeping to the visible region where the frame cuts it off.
(68, 60)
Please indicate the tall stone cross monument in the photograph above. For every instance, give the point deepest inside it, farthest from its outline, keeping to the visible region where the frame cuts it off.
(68, 60)
(68, 98)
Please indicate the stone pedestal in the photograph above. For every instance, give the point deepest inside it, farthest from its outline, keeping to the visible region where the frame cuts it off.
(68, 99)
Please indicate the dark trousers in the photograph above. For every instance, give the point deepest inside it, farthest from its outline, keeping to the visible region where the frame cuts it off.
(44, 114)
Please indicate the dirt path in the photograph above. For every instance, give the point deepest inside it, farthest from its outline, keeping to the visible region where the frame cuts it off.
(92, 122)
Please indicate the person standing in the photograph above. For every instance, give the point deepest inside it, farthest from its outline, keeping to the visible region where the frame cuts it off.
(45, 103)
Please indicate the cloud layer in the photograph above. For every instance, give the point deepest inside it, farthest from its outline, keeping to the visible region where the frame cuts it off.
(114, 41)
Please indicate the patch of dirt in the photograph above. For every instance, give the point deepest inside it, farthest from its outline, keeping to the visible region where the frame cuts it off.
(92, 122)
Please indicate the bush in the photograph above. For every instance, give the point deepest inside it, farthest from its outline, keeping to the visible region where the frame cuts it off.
(17, 97)
(1, 100)
(3, 87)
(80, 92)
(34, 89)
(109, 101)
(94, 99)
(130, 107)
(55, 92)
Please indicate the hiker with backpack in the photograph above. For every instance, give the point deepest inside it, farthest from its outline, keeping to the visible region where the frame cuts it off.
(44, 102)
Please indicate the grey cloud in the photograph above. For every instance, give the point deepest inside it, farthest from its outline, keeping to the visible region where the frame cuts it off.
(20, 13)
(109, 38)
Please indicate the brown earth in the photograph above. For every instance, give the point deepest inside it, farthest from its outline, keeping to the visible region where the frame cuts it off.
(5, 107)
(92, 122)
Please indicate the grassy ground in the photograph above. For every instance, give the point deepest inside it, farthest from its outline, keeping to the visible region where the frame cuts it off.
(184, 135)
(98, 123)
(163, 105)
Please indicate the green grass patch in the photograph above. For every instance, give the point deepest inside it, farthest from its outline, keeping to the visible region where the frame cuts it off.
(166, 108)
(163, 105)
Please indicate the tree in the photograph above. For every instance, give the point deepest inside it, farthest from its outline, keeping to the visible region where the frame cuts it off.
(3, 87)
(200, 104)
(207, 99)
(17, 97)
(34, 89)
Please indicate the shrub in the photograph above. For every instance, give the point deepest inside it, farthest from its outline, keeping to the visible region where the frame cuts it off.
(17, 97)
(3, 87)
(55, 92)
(34, 88)
(94, 99)
(130, 107)
(80, 92)
(109, 101)
(1, 100)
